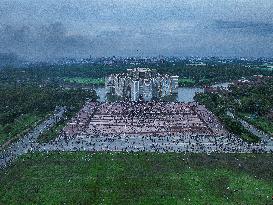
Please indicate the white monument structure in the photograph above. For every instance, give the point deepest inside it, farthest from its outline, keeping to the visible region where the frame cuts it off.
(141, 84)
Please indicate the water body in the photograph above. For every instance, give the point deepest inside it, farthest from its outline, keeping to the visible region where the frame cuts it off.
(185, 94)
(101, 93)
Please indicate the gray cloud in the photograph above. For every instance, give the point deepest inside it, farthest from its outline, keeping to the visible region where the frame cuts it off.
(47, 41)
(79, 28)
(250, 27)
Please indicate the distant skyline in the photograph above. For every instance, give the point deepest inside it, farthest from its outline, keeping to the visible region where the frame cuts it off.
(52, 29)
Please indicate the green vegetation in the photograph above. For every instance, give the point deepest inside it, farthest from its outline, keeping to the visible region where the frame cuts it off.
(138, 178)
(86, 81)
(52, 133)
(212, 73)
(219, 105)
(253, 100)
(186, 82)
(21, 107)
(265, 67)
(263, 123)
(21, 125)
(198, 75)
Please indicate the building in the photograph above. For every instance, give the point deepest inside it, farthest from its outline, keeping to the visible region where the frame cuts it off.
(141, 84)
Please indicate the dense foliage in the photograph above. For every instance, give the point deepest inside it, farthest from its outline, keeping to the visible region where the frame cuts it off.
(256, 99)
(22, 106)
(86, 81)
(16, 101)
(190, 75)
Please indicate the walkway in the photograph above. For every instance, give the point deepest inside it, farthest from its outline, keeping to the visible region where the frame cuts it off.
(28, 142)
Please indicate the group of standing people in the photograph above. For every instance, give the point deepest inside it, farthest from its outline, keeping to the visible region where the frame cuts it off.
(151, 126)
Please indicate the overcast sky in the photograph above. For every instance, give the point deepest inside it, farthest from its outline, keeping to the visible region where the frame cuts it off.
(81, 28)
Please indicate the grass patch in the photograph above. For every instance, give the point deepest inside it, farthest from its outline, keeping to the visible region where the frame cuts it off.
(265, 68)
(138, 178)
(51, 133)
(86, 81)
(186, 82)
(54, 132)
(19, 127)
(260, 122)
(234, 126)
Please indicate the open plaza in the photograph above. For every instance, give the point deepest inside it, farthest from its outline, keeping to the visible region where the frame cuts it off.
(143, 119)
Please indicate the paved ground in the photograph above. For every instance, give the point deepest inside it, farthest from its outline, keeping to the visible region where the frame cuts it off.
(28, 142)
(262, 135)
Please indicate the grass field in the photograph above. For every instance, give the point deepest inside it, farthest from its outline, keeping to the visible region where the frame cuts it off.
(262, 123)
(186, 82)
(18, 127)
(143, 178)
(268, 68)
(87, 81)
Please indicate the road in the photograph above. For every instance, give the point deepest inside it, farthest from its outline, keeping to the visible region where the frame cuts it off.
(28, 142)
(265, 138)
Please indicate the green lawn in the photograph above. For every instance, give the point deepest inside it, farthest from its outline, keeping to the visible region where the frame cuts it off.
(265, 68)
(262, 123)
(143, 178)
(186, 82)
(18, 127)
(95, 81)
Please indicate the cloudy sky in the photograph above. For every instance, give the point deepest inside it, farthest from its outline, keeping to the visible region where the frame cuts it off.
(81, 28)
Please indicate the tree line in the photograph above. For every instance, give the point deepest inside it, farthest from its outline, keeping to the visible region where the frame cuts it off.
(19, 100)
(212, 72)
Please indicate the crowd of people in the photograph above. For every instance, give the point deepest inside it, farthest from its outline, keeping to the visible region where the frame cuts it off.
(151, 126)
(133, 118)
(155, 143)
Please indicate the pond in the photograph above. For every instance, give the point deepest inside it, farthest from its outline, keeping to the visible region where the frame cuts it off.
(101, 93)
(186, 94)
